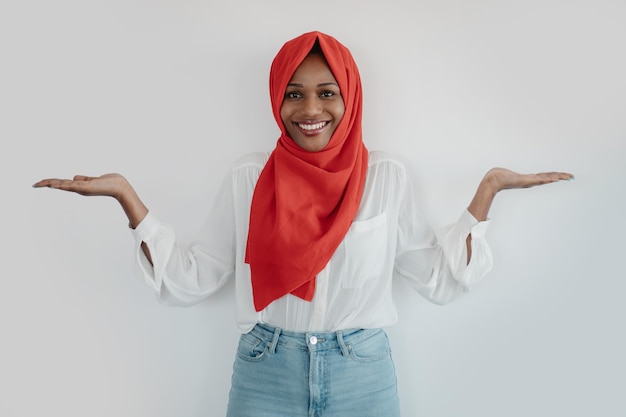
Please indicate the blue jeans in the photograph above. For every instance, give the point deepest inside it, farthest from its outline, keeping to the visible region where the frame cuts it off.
(340, 374)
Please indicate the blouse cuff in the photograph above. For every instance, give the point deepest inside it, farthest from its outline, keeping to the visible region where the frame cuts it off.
(469, 222)
(481, 261)
(147, 228)
(145, 231)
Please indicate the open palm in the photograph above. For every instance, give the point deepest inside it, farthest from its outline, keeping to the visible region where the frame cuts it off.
(105, 185)
(504, 179)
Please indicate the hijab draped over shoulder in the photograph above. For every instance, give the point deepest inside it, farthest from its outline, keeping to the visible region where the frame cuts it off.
(304, 202)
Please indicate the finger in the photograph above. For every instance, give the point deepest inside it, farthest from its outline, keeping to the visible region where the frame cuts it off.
(63, 184)
(557, 173)
(58, 182)
(557, 176)
(545, 178)
(47, 182)
(565, 176)
(83, 178)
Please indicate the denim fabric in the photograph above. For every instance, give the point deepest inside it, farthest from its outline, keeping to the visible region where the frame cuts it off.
(347, 373)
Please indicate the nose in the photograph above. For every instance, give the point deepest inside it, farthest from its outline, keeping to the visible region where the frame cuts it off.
(311, 106)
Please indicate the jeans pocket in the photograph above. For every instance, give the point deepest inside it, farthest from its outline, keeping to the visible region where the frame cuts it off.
(372, 349)
(252, 349)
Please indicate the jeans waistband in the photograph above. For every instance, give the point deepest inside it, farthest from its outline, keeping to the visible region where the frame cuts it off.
(313, 341)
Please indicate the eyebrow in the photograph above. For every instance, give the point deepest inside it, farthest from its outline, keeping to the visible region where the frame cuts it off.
(319, 85)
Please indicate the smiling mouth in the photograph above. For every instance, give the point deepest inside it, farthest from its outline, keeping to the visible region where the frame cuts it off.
(311, 127)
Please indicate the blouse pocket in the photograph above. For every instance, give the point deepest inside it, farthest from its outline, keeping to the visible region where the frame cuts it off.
(365, 247)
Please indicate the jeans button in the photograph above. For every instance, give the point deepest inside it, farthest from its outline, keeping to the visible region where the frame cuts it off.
(313, 340)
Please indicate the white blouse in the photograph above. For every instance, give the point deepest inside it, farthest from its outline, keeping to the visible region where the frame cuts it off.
(389, 237)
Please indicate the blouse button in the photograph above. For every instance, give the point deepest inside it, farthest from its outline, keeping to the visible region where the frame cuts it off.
(313, 340)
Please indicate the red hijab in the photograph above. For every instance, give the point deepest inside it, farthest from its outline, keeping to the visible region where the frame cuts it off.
(304, 202)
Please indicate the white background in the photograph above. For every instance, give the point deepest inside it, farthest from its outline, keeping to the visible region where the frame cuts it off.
(169, 93)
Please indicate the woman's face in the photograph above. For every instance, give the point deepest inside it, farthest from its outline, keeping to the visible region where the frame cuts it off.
(313, 106)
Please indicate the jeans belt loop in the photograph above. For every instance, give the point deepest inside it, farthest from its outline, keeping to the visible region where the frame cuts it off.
(275, 340)
(342, 344)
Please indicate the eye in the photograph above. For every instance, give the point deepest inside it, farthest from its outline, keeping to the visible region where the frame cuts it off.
(293, 95)
(327, 94)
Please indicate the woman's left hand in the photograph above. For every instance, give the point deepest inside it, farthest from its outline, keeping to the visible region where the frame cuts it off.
(504, 179)
(498, 179)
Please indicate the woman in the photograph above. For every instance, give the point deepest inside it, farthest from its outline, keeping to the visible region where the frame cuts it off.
(313, 234)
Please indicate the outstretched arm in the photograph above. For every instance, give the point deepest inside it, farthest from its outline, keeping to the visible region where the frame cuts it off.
(498, 179)
(110, 185)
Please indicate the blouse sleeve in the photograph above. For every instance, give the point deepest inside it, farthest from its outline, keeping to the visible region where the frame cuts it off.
(184, 275)
(437, 267)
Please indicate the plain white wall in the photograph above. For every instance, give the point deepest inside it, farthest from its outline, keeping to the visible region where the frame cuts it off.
(169, 93)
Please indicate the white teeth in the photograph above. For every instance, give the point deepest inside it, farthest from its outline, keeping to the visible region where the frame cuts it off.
(312, 126)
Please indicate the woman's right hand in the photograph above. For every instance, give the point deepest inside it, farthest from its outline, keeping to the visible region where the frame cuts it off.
(111, 185)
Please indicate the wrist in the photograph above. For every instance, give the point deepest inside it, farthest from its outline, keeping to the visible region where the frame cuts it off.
(123, 191)
(131, 203)
(485, 194)
(490, 185)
